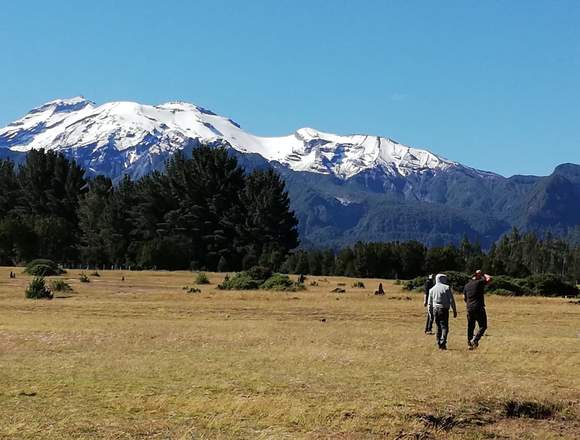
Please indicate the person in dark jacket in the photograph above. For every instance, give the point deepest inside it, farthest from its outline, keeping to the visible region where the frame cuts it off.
(429, 310)
(474, 297)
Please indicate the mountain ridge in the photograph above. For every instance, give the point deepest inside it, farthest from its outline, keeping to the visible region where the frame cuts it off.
(343, 188)
(123, 127)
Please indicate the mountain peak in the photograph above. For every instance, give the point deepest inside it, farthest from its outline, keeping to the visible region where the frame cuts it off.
(138, 135)
(64, 105)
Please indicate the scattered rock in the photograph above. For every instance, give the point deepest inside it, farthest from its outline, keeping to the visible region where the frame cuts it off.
(27, 394)
(338, 290)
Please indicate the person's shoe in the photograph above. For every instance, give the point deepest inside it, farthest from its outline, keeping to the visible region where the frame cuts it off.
(474, 344)
(470, 345)
(443, 346)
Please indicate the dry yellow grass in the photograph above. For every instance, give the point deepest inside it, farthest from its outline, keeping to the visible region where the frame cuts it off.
(141, 358)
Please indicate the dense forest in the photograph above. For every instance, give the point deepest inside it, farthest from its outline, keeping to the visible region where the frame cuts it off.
(206, 212)
(203, 212)
(515, 255)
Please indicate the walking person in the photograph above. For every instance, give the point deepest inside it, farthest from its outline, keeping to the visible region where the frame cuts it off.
(429, 310)
(473, 295)
(441, 300)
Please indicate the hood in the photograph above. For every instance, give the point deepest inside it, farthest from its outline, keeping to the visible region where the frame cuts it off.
(441, 278)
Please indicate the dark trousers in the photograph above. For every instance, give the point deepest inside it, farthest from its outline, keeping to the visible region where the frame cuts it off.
(442, 321)
(429, 321)
(476, 316)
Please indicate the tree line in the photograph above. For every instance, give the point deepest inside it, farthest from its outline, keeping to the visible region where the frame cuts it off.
(515, 255)
(202, 212)
(206, 212)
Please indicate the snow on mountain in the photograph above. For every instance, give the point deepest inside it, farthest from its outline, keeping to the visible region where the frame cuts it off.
(127, 137)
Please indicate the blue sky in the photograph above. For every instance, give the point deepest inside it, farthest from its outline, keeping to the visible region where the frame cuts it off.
(492, 84)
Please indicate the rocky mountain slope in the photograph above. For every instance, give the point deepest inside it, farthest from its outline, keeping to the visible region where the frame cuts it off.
(343, 188)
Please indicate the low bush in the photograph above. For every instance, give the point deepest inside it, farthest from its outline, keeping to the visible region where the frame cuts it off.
(201, 278)
(457, 280)
(281, 283)
(550, 285)
(358, 285)
(60, 286)
(505, 283)
(544, 285)
(37, 289)
(253, 279)
(43, 268)
(259, 273)
(531, 409)
(415, 283)
(95, 274)
(191, 289)
(240, 281)
(83, 278)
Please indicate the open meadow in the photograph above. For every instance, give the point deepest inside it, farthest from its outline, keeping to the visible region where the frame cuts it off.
(142, 358)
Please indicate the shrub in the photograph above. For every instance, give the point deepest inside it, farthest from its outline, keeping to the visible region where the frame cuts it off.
(259, 273)
(95, 274)
(191, 290)
(60, 286)
(531, 409)
(240, 281)
(43, 268)
(358, 285)
(457, 280)
(281, 283)
(201, 278)
(550, 285)
(37, 289)
(83, 278)
(505, 283)
(415, 284)
(545, 285)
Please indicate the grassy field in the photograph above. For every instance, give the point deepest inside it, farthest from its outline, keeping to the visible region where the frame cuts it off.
(141, 358)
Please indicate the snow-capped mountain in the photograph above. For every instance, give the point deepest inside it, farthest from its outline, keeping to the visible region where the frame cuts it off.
(130, 138)
(343, 188)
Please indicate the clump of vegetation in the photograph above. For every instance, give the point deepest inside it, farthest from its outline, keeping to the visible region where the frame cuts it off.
(201, 278)
(95, 274)
(239, 281)
(544, 285)
(338, 290)
(83, 278)
(531, 409)
(259, 273)
(456, 280)
(60, 286)
(358, 285)
(191, 289)
(37, 289)
(259, 277)
(43, 268)
(313, 283)
(281, 283)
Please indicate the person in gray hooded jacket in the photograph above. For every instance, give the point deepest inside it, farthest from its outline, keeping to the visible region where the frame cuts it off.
(441, 300)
